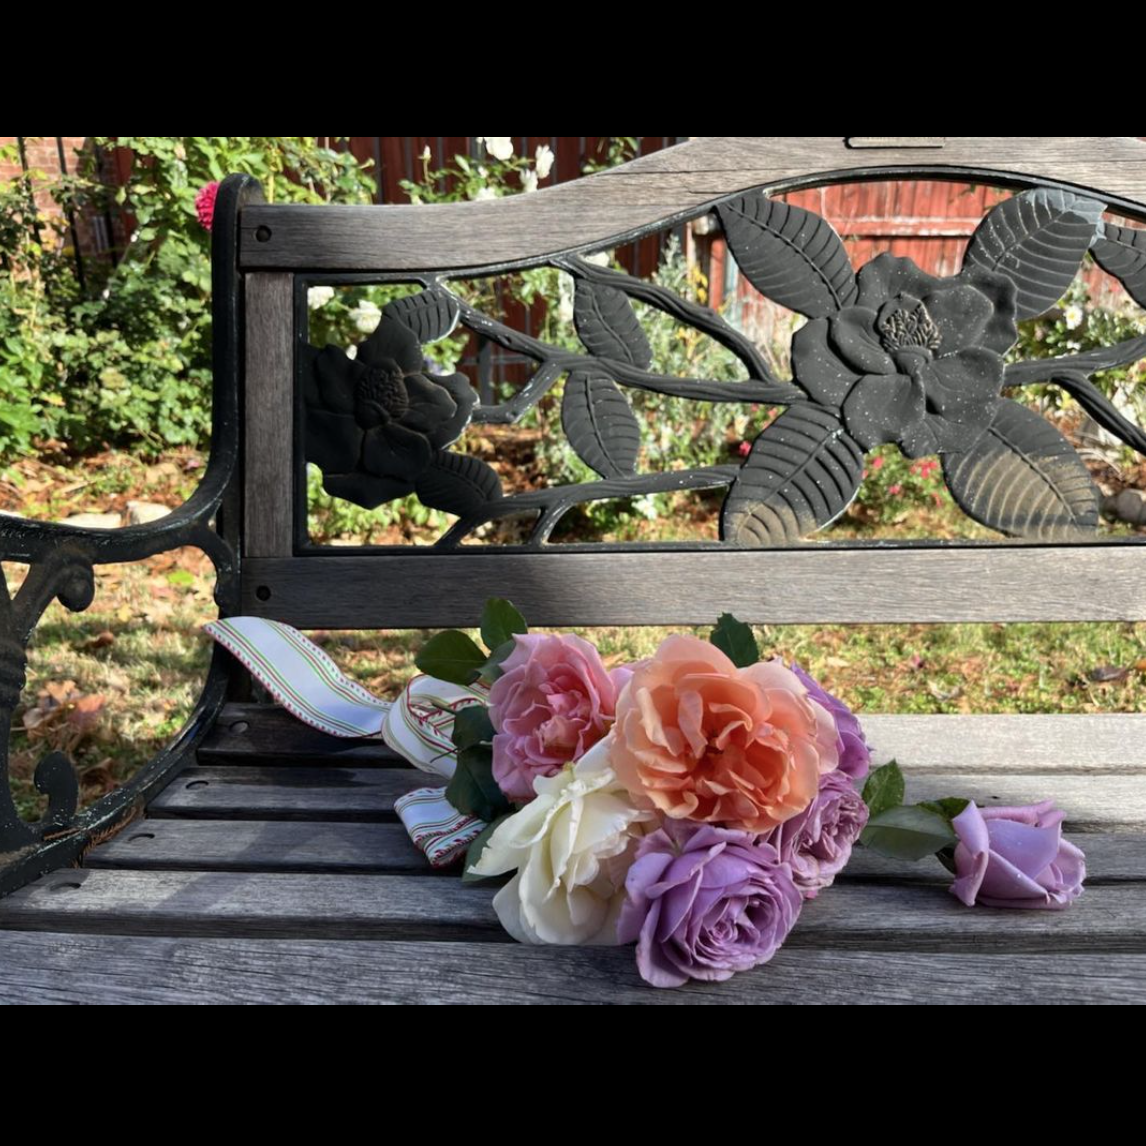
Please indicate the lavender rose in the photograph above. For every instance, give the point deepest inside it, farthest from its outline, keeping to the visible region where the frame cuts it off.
(817, 843)
(705, 902)
(553, 702)
(855, 758)
(1016, 857)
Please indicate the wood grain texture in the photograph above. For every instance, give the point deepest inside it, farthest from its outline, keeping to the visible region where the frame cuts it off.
(67, 969)
(337, 906)
(1096, 743)
(251, 793)
(792, 586)
(259, 845)
(268, 734)
(269, 414)
(325, 846)
(603, 209)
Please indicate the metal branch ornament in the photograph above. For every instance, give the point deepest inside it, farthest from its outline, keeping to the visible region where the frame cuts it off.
(890, 354)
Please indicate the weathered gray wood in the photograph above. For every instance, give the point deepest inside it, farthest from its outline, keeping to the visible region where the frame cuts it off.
(269, 421)
(249, 793)
(62, 969)
(604, 208)
(809, 584)
(1092, 742)
(255, 845)
(853, 915)
(324, 846)
(1085, 742)
(267, 733)
(1091, 802)
(1113, 799)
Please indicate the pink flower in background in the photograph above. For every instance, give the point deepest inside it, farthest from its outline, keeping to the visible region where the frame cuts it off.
(554, 701)
(744, 449)
(1016, 857)
(205, 204)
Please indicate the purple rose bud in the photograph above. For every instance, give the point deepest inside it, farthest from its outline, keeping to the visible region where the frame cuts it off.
(705, 902)
(855, 759)
(1015, 857)
(818, 842)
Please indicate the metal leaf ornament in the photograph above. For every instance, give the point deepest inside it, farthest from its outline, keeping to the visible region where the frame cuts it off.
(377, 425)
(917, 360)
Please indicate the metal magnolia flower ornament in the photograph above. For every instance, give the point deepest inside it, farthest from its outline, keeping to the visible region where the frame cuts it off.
(378, 425)
(917, 360)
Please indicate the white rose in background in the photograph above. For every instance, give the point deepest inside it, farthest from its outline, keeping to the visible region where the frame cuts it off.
(319, 296)
(366, 316)
(543, 161)
(485, 193)
(571, 848)
(499, 146)
(529, 182)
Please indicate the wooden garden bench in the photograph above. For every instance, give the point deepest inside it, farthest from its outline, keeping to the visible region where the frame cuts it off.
(258, 860)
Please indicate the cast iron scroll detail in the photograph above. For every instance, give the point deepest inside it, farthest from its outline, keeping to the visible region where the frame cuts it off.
(889, 354)
(61, 561)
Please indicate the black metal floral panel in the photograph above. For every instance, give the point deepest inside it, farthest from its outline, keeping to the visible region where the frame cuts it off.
(889, 354)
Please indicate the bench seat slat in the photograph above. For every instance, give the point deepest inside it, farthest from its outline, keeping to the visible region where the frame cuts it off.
(1116, 799)
(268, 734)
(325, 846)
(61, 969)
(288, 905)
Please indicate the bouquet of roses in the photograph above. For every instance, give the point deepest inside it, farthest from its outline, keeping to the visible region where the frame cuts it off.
(689, 803)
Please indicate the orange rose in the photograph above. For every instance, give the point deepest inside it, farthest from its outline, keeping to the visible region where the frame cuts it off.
(705, 740)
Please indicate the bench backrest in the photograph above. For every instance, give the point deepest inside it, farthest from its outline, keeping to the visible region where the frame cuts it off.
(763, 573)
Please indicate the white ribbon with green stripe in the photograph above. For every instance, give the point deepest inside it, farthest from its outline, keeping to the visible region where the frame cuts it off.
(418, 725)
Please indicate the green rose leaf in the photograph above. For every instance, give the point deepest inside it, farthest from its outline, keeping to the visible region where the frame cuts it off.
(734, 638)
(948, 807)
(491, 670)
(472, 726)
(472, 789)
(477, 847)
(884, 789)
(451, 656)
(499, 621)
(908, 832)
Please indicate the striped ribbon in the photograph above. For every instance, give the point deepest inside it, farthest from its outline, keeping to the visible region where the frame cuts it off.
(436, 826)
(418, 725)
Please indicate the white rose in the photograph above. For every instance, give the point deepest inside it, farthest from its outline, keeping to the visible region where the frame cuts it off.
(319, 296)
(529, 182)
(571, 848)
(499, 146)
(543, 161)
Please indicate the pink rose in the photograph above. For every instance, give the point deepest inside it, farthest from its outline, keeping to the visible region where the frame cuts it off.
(554, 701)
(1015, 857)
